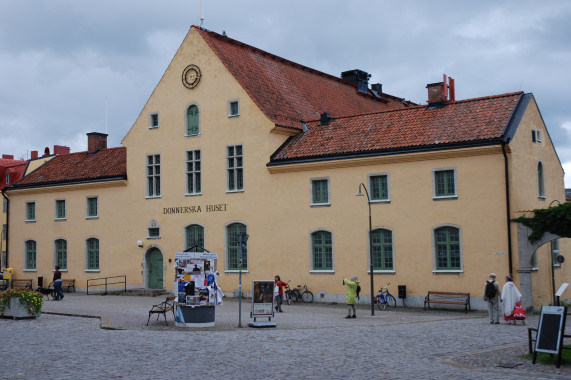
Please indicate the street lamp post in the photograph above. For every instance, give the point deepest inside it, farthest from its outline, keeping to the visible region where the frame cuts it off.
(362, 185)
(242, 239)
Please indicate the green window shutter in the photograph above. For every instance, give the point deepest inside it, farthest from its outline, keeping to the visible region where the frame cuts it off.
(192, 127)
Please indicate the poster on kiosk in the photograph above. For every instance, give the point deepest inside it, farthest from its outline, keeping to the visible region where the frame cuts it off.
(196, 288)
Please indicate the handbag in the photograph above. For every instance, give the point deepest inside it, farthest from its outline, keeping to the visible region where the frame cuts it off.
(276, 291)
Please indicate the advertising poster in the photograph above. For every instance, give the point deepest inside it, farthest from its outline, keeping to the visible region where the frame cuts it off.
(262, 298)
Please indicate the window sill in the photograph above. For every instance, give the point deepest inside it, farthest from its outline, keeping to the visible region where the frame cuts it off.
(91, 217)
(60, 220)
(230, 116)
(451, 271)
(236, 271)
(157, 127)
(383, 271)
(193, 194)
(153, 238)
(189, 136)
(29, 270)
(319, 204)
(380, 201)
(31, 221)
(154, 197)
(93, 271)
(541, 198)
(444, 197)
(328, 271)
(235, 191)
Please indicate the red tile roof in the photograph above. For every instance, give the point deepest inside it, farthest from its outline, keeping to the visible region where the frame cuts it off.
(287, 92)
(105, 164)
(16, 169)
(482, 120)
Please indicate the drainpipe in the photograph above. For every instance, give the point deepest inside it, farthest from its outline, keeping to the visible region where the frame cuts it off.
(508, 221)
(7, 222)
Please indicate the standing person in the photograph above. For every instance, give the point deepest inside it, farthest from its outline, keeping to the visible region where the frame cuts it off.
(279, 297)
(510, 296)
(351, 297)
(57, 284)
(492, 296)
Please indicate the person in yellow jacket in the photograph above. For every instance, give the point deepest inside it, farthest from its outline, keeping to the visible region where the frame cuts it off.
(351, 297)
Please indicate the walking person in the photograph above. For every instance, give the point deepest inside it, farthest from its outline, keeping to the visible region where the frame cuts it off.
(57, 284)
(278, 283)
(510, 296)
(351, 296)
(492, 296)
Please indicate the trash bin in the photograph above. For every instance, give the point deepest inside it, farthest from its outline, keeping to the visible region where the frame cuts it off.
(402, 291)
(8, 273)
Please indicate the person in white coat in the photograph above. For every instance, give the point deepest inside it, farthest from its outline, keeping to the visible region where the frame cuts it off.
(510, 296)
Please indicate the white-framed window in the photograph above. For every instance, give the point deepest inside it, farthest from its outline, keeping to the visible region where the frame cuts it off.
(234, 168)
(153, 230)
(60, 253)
(319, 189)
(379, 185)
(92, 207)
(536, 136)
(153, 120)
(60, 211)
(193, 172)
(92, 254)
(233, 247)
(322, 251)
(153, 176)
(192, 121)
(30, 255)
(233, 108)
(540, 181)
(444, 183)
(447, 247)
(555, 251)
(30, 211)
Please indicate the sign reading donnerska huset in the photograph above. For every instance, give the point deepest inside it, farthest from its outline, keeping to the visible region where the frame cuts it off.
(193, 209)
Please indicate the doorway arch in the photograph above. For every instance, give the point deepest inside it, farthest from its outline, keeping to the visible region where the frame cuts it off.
(154, 272)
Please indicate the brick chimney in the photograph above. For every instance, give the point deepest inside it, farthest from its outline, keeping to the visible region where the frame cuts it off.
(436, 93)
(96, 141)
(60, 149)
(8, 156)
(34, 154)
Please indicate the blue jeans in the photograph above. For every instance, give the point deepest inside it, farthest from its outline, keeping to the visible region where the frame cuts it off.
(57, 287)
(279, 302)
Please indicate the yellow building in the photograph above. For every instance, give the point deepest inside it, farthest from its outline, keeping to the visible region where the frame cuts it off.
(236, 140)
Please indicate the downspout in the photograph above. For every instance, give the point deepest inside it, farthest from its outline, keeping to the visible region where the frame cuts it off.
(7, 228)
(508, 221)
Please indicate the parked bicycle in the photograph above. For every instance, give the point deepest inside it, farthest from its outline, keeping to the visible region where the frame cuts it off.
(384, 298)
(299, 293)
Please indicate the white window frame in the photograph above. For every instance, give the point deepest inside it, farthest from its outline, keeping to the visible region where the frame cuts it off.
(87, 216)
(193, 172)
(369, 250)
(235, 169)
(26, 216)
(148, 177)
(56, 217)
(386, 174)
(245, 269)
(453, 196)
(536, 136)
(153, 115)
(153, 226)
(434, 253)
(311, 200)
(230, 103)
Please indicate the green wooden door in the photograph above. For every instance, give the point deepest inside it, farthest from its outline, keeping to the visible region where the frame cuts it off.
(155, 269)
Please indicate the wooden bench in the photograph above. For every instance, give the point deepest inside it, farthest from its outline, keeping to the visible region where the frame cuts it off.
(162, 308)
(22, 283)
(65, 284)
(449, 298)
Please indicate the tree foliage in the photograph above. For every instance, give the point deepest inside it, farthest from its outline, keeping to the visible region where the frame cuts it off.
(556, 220)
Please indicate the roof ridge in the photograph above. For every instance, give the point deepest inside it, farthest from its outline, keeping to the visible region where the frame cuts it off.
(270, 55)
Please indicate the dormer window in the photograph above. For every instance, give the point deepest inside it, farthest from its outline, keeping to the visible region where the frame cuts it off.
(8, 179)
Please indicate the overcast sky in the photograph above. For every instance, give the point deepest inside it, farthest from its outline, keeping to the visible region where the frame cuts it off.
(66, 64)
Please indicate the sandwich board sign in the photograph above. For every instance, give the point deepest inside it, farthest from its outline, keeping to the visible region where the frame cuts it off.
(550, 331)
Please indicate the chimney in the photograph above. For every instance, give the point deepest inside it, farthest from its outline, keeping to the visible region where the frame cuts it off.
(60, 149)
(8, 156)
(377, 89)
(96, 141)
(436, 94)
(359, 78)
(46, 152)
(325, 118)
(34, 154)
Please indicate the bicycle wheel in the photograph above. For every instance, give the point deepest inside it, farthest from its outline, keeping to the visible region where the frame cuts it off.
(391, 301)
(380, 304)
(294, 296)
(307, 297)
(288, 298)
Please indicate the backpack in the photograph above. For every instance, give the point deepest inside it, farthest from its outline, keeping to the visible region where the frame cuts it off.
(358, 291)
(490, 290)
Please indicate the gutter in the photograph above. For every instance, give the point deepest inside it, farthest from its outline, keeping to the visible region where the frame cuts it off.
(7, 228)
(508, 220)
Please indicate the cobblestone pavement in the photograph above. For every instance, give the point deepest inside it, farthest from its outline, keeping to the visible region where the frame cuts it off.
(311, 341)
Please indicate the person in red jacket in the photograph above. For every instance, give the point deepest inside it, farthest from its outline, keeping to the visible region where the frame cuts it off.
(279, 297)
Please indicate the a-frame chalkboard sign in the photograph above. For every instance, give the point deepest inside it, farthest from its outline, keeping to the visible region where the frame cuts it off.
(550, 331)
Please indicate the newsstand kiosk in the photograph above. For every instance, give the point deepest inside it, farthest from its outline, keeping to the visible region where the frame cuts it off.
(196, 288)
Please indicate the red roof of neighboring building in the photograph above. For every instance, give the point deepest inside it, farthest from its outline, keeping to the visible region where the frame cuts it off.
(462, 122)
(16, 169)
(287, 92)
(106, 164)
